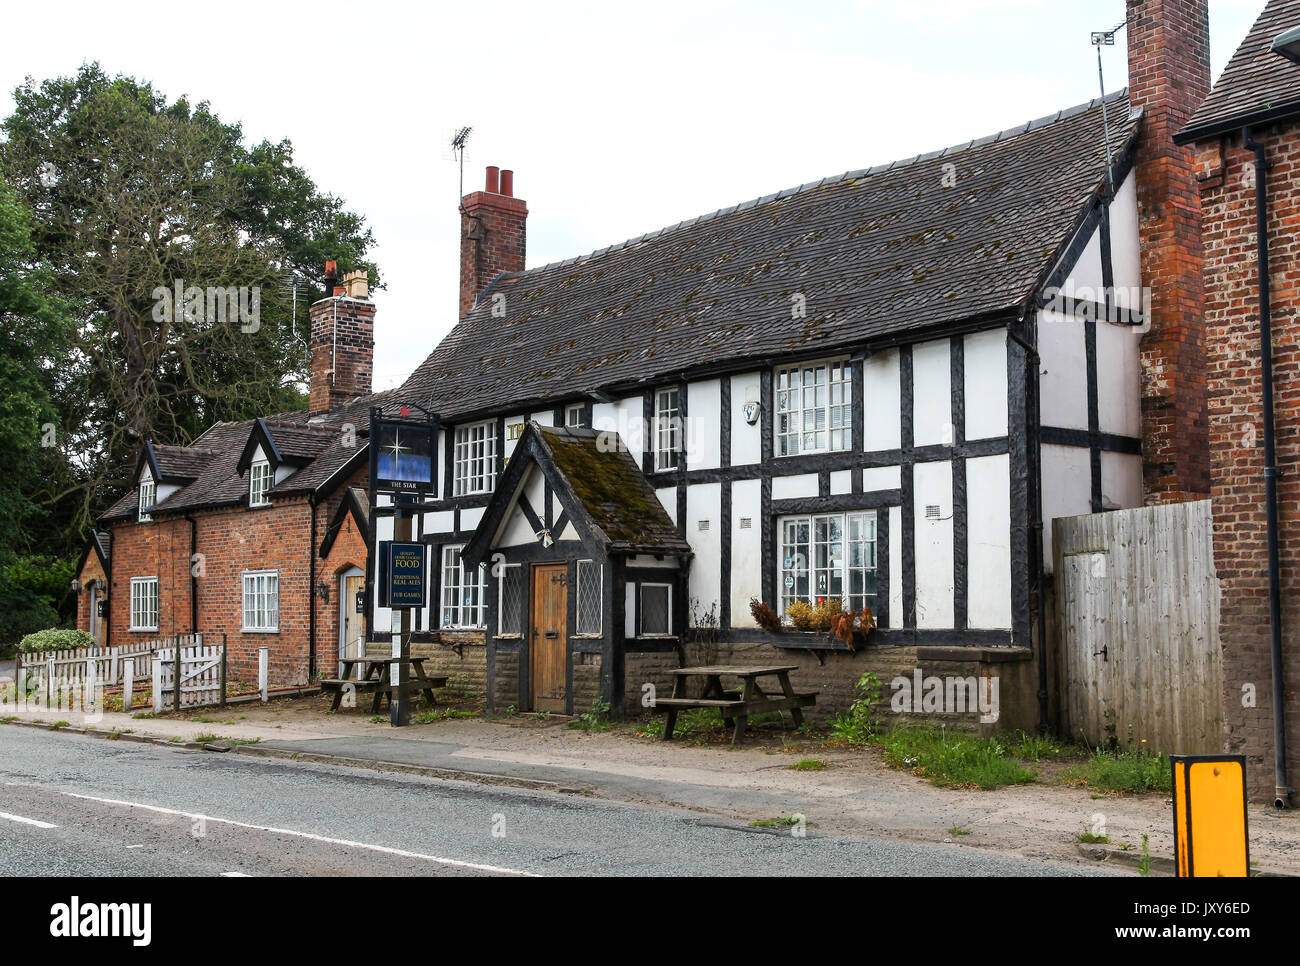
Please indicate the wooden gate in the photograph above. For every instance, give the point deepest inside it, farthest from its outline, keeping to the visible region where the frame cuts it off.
(201, 677)
(1138, 608)
(549, 637)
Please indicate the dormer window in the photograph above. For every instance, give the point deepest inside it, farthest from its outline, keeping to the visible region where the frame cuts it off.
(259, 482)
(147, 490)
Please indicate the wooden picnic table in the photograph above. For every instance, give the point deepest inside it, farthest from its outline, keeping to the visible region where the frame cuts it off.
(377, 678)
(735, 704)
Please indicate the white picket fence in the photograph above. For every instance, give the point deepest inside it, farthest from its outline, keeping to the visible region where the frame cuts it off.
(109, 666)
(200, 675)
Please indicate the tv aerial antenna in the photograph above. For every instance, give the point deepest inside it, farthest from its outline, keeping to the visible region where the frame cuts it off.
(458, 142)
(1100, 39)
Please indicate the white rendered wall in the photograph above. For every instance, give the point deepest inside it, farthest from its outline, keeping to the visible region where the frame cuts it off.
(704, 502)
(895, 566)
(1067, 489)
(1061, 351)
(1121, 481)
(702, 432)
(985, 365)
(1119, 400)
(934, 556)
(931, 394)
(746, 440)
(746, 550)
(988, 542)
(881, 402)
(792, 487)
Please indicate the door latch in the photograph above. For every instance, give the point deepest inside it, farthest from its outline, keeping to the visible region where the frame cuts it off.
(1104, 652)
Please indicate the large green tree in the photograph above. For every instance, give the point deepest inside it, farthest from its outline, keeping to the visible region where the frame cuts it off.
(136, 200)
(35, 328)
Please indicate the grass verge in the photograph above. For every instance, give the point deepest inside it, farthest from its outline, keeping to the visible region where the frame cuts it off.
(954, 759)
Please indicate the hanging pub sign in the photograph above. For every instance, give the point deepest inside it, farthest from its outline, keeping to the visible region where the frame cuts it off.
(402, 567)
(403, 453)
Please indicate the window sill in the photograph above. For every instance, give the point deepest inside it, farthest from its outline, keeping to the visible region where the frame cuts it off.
(142, 630)
(259, 630)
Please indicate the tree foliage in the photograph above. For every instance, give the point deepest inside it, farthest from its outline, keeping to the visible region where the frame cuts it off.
(135, 199)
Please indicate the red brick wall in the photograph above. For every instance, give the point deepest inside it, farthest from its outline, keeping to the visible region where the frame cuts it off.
(492, 240)
(1169, 76)
(342, 339)
(1236, 432)
(232, 540)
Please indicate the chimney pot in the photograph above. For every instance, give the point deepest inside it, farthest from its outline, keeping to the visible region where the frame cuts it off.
(357, 284)
(508, 182)
(493, 180)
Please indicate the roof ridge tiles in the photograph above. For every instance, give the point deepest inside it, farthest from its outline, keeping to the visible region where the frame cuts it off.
(852, 175)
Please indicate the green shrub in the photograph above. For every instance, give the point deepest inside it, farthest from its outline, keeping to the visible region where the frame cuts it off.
(857, 725)
(954, 759)
(1134, 770)
(55, 639)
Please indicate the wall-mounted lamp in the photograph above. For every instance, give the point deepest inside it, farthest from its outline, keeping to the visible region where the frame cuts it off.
(323, 591)
(544, 537)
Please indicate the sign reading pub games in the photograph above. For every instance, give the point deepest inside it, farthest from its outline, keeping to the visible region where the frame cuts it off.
(402, 565)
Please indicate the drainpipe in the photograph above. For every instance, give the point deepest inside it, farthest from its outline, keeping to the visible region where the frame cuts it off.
(311, 592)
(194, 580)
(1282, 793)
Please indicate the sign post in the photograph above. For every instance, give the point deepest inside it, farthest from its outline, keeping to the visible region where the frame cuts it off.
(404, 463)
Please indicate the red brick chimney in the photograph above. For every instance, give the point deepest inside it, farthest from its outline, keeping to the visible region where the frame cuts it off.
(342, 341)
(492, 236)
(1168, 77)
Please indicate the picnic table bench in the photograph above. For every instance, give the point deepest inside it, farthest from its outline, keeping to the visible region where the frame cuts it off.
(377, 679)
(735, 704)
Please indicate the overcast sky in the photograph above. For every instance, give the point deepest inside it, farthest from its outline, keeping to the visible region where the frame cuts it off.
(617, 119)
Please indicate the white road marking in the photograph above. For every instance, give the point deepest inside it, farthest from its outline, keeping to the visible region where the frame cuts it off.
(26, 821)
(348, 843)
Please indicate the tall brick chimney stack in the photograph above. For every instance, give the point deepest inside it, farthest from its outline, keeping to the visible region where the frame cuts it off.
(1168, 77)
(492, 235)
(342, 341)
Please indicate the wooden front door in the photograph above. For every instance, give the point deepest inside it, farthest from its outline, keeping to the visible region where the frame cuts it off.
(549, 635)
(352, 634)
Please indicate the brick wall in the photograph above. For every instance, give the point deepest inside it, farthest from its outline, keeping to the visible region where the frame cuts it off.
(1169, 76)
(493, 238)
(342, 340)
(1226, 173)
(92, 571)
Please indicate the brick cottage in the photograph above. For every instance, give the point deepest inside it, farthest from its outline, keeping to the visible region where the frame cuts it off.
(254, 533)
(1246, 137)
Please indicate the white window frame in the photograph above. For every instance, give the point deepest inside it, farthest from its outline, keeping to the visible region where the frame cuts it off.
(600, 600)
(569, 411)
(640, 628)
(477, 612)
(474, 458)
(501, 596)
(667, 437)
(811, 568)
(260, 471)
(148, 485)
(262, 597)
(822, 409)
(144, 597)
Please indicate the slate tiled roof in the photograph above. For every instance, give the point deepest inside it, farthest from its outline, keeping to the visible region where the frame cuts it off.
(181, 462)
(877, 254)
(321, 446)
(1257, 83)
(612, 489)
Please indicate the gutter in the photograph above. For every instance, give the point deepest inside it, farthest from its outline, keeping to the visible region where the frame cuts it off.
(1282, 793)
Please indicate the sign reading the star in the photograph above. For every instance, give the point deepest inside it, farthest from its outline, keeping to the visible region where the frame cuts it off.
(402, 455)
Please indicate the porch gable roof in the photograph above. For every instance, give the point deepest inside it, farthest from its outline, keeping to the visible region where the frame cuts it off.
(610, 502)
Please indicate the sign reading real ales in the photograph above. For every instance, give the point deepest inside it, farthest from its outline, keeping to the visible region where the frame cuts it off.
(403, 567)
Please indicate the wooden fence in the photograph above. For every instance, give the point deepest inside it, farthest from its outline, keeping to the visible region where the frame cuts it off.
(1138, 608)
(202, 677)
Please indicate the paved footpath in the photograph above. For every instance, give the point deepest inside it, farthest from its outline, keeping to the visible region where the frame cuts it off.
(855, 796)
(73, 804)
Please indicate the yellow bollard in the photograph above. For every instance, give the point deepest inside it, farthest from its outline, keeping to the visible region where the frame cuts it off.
(1210, 838)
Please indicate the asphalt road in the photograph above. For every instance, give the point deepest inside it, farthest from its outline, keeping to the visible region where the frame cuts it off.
(72, 805)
